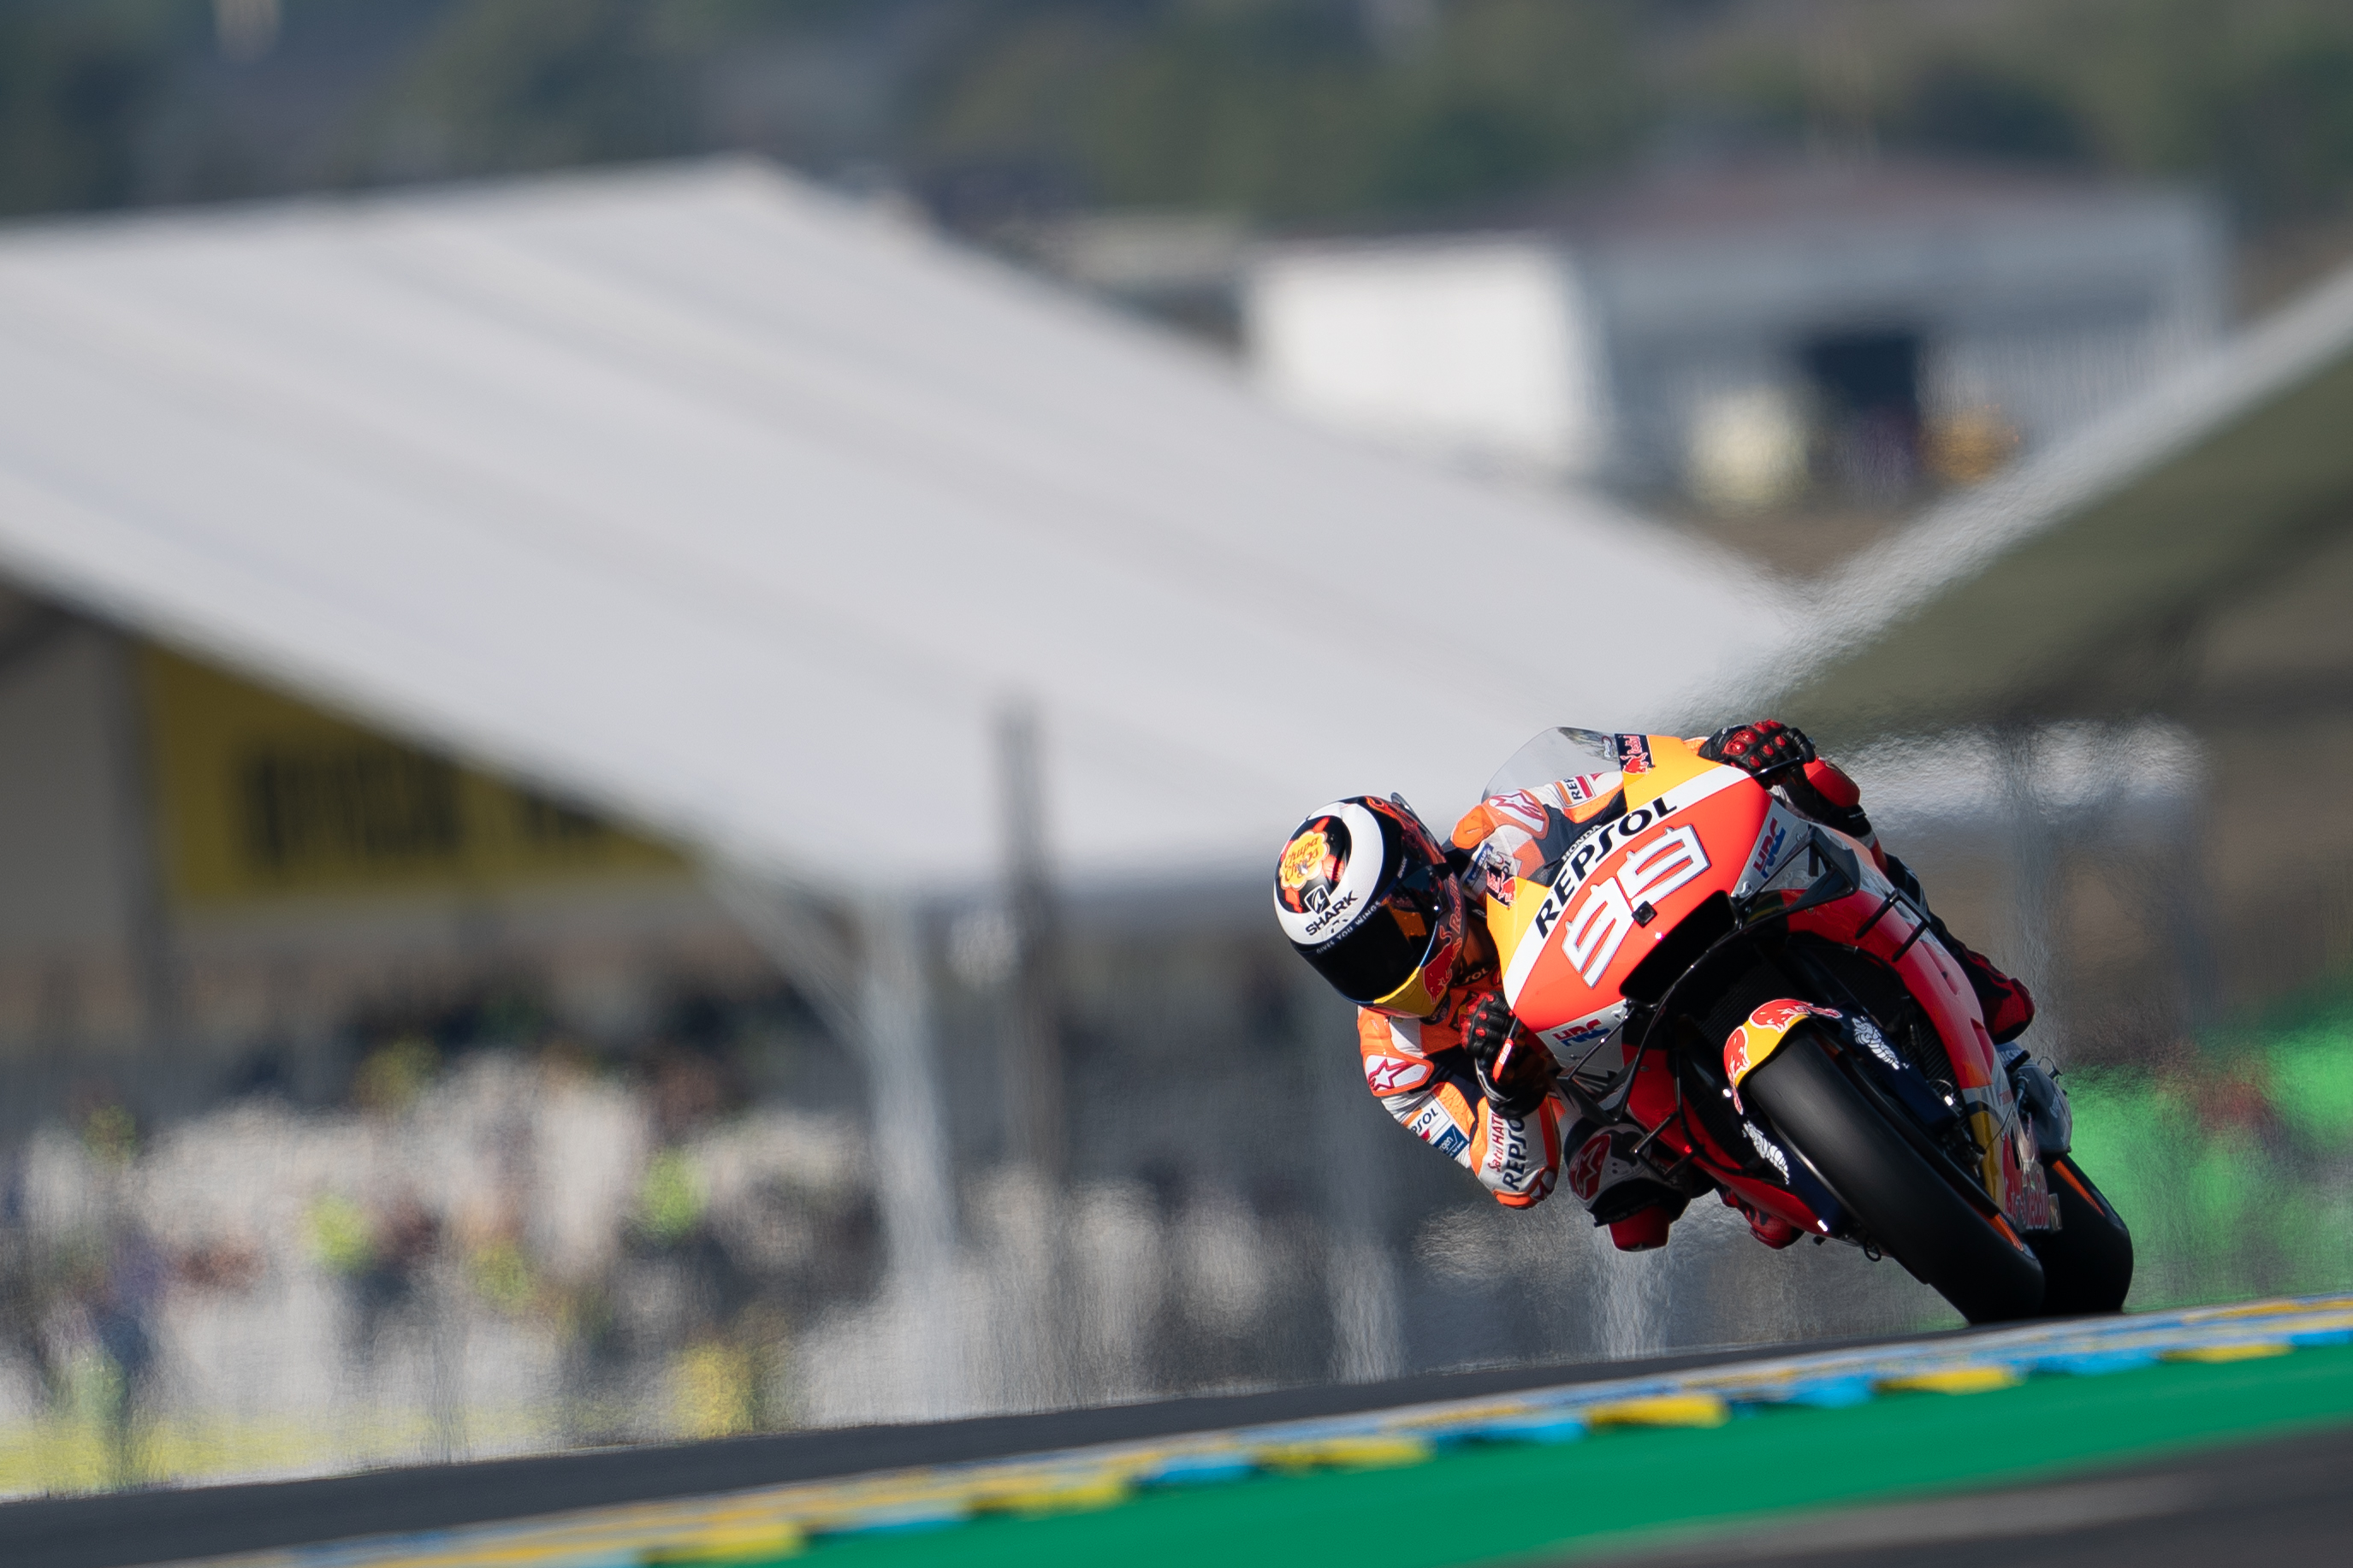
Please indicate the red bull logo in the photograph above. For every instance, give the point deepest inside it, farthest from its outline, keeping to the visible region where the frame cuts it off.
(1748, 1046)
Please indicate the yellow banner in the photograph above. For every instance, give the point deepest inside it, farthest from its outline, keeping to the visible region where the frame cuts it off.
(261, 796)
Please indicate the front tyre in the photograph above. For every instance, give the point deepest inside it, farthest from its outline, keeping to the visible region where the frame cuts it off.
(1948, 1243)
(2087, 1262)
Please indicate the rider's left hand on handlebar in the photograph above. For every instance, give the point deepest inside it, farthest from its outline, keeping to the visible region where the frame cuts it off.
(1760, 749)
(1515, 1071)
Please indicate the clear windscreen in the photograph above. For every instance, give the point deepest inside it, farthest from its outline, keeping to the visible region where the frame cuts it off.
(1552, 755)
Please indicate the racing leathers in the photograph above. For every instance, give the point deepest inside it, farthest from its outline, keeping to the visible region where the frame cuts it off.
(1421, 1074)
(1424, 1075)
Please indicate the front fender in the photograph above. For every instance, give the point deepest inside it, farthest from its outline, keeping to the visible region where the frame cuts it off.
(1749, 1047)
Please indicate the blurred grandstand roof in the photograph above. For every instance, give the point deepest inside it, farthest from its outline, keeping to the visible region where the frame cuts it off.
(2068, 588)
(724, 503)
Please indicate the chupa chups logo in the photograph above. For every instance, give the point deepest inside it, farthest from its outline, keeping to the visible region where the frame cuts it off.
(1304, 857)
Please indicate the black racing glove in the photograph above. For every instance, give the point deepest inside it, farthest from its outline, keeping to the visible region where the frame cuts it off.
(1515, 1071)
(1761, 749)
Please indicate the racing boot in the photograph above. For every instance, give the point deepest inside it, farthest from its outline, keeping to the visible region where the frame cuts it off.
(1644, 1230)
(1769, 1229)
(1776, 755)
(2007, 1005)
(1617, 1189)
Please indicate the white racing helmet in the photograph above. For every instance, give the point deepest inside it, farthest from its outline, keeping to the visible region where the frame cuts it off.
(1365, 895)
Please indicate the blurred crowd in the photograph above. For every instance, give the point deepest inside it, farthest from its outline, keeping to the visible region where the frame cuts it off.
(478, 1249)
(512, 1245)
(522, 1248)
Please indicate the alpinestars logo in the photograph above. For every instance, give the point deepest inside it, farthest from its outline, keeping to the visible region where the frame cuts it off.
(1395, 1075)
(1521, 808)
(1584, 1170)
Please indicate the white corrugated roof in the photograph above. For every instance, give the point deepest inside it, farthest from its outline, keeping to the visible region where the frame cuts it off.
(731, 506)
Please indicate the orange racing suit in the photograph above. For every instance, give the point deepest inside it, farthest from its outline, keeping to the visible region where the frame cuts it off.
(1422, 1076)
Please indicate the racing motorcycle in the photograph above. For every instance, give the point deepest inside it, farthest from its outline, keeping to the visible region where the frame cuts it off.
(1745, 1004)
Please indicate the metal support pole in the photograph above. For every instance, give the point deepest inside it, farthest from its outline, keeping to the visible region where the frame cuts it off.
(879, 1002)
(1360, 1273)
(147, 925)
(1036, 1132)
(911, 1147)
(1033, 1078)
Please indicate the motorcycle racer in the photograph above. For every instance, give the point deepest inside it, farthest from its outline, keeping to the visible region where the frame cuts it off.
(1368, 897)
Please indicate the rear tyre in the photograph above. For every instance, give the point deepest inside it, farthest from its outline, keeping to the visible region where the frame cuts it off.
(2087, 1262)
(1948, 1243)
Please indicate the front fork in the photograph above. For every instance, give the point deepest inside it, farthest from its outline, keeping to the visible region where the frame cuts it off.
(2018, 1120)
(2041, 1100)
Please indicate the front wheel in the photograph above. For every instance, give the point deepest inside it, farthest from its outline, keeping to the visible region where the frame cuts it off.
(1949, 1244)
(2087, 1262)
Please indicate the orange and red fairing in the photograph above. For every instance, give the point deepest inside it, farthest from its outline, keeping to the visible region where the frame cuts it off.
(1688, 830)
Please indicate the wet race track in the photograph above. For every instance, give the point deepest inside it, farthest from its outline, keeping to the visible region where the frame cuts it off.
(2155, 1439)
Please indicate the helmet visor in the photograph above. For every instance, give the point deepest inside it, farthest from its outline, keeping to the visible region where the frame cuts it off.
(1380, 953)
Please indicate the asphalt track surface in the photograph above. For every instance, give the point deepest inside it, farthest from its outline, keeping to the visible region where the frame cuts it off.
(124, 1528)
(2286, 1500)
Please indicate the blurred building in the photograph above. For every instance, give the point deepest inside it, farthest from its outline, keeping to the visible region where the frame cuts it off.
(1182, 268)
(1743, 334)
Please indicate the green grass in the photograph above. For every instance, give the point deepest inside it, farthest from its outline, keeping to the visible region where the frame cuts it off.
(1484, 1504)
